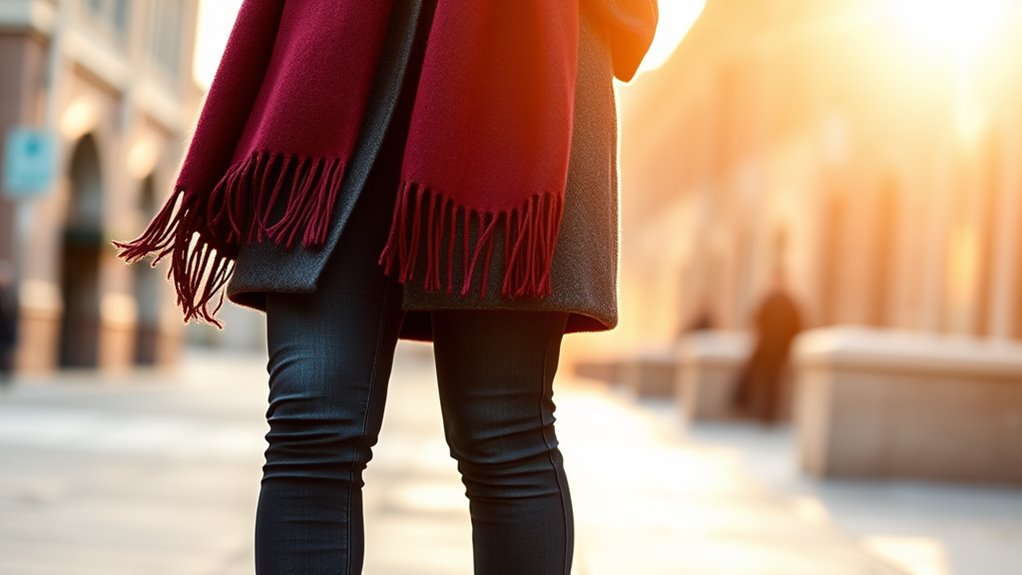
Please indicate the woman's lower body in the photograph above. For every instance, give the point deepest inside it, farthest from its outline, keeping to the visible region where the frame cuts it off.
(330, 356)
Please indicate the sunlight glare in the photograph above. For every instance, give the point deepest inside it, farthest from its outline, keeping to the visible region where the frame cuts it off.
(917, 555)
(676, 18)
(953, 27)
(216, 18)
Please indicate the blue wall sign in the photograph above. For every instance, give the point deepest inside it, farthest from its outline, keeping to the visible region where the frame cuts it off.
(29, 167)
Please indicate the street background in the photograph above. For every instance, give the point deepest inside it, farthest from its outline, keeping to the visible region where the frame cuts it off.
(817, 370)
(157, 472)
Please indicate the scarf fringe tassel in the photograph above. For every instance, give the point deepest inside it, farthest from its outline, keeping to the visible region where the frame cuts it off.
(201, 235)
(530, 232)
(241, 206)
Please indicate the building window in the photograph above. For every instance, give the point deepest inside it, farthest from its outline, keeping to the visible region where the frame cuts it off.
(109, 18)
(120, 9)
(165, 39)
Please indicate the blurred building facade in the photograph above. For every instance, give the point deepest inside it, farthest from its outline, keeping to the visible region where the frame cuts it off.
(113, 81)
(874, 155)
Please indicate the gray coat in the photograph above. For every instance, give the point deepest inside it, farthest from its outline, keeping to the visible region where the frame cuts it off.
(584, 269)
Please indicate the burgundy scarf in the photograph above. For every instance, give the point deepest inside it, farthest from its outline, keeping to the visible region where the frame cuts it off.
(487, 148)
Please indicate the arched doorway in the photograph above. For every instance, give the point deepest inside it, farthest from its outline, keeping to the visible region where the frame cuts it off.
(81, 248)
(147, 289)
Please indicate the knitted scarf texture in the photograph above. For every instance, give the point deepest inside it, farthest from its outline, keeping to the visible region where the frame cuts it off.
(487, 148)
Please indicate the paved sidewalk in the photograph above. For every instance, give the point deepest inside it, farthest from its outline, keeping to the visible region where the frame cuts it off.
(923, 528)
(157, 473)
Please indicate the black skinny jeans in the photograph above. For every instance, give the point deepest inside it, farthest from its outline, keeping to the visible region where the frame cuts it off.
(330, 357)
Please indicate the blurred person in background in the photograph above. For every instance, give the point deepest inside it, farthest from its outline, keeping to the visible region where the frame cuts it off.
(760, 385)
(8, 323)
(479, 140)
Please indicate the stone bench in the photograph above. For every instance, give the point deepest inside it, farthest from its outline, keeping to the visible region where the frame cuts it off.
(708, 364)
(650, 371)
(873, 403)
(605, 370)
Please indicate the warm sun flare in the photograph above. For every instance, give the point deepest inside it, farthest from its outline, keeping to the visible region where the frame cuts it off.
(954, 27)
(676, 17)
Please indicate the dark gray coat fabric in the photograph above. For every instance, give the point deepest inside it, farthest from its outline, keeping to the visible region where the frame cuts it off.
(584, 269)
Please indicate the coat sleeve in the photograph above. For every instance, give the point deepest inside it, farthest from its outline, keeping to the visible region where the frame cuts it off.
(631, 25)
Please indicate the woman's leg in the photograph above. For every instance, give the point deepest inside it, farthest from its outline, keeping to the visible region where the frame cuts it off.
(495, 371)
(330, 360)
(330, 356)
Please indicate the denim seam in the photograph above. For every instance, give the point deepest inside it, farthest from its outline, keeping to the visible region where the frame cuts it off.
(365, 417)
(550, 457)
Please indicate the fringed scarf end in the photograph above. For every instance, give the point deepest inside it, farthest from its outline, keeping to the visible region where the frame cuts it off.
(197, 269)
(250, 202)
(282, 198)
(429, 222)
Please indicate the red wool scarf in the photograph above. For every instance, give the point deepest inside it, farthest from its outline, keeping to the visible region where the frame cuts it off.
(487, 148)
